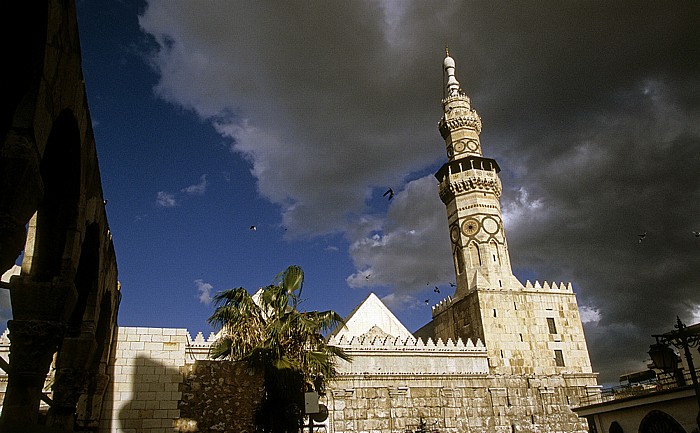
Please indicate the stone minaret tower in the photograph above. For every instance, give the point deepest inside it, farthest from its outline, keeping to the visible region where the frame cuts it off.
(527, 329)
(471, 191)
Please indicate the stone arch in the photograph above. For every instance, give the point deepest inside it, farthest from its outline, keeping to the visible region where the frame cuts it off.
(55, 221)
(495, 252)
(474, 254)
(90, 406)
(658, 421)
(459, 260)
(50, 181)
(615, 427)
(86, 280)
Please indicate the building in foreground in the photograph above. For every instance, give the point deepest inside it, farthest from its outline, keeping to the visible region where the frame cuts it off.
(664, 398)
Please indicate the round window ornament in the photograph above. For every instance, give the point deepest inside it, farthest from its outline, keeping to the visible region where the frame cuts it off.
(470, 227)
(454, 234)
(491, 226)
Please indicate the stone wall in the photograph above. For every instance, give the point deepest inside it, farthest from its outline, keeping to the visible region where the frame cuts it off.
(514, 327)
(454, 403)
(162, 383)
(219, 396)
(146, 376)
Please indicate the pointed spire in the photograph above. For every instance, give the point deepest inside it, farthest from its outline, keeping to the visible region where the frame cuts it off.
(452, 83)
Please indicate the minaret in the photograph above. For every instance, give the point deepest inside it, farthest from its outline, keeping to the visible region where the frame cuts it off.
(470, 189)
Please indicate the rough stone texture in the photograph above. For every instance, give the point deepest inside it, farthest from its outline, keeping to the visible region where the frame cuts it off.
(454, 403)
(392, 384)
(162, 383)
(219, 396)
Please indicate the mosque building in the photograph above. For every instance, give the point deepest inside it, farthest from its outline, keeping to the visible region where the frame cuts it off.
(498, 356)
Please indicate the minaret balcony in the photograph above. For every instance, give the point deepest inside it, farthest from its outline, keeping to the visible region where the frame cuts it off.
(459, 120)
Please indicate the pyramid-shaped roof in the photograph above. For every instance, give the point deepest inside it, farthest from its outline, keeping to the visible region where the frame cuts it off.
(373, 315)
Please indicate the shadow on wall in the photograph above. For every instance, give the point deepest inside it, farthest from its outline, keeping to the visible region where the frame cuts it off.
(144, 397)
(219, 396)
(148, 396)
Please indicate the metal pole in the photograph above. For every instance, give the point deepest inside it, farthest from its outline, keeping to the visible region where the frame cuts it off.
(689, 359)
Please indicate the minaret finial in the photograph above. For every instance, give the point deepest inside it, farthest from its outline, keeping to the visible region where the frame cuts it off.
(449, 65)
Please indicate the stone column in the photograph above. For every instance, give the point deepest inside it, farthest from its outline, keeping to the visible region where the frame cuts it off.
(68, 385)
(90, 408)
(72, 367)
(20, 190)
(32, 345)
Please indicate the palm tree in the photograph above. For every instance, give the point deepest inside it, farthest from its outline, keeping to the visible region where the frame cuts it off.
(268, 332)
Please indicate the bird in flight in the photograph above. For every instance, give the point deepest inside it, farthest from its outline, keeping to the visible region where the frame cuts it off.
(427, 301)
(697, 234)
(367, 277)
(390, 193)
(253, 228)
(453, 285)
(436, 290)
(642, 236)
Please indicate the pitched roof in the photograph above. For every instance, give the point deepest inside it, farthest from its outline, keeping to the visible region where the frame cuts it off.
(371, 314)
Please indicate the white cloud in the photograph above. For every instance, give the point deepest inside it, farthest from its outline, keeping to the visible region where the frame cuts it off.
(695, 317)
(411, 248)
(401, 302)
(518, 211)
(204, 291)
(589, 314)
(198, 188)
(165, 199)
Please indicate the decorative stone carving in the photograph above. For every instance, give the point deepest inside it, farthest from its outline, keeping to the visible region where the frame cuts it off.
(32, 345)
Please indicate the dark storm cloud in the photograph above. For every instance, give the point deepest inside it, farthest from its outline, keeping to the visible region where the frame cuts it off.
(591, 108)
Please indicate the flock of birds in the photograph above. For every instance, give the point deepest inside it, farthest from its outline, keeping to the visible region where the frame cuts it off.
(390, 193)
(644, 235)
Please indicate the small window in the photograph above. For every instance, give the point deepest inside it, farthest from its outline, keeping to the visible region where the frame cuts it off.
(494, 312)
(558, 358)
(552, 326)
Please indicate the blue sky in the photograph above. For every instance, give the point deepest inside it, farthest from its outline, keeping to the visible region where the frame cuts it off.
(210, 117)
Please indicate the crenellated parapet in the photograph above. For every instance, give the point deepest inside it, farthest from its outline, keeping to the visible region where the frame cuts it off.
(382, 356)
(390, 343)
(199, 341)
(197, 348)
(545, 286)
(442, 306)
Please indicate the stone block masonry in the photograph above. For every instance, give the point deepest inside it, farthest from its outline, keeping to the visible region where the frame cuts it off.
(146, 376)
(162, 383)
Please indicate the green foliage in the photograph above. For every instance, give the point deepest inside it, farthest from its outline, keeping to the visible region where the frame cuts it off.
(269, 332)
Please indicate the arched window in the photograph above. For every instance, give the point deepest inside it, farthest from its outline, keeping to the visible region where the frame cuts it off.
(657, 421)
(495, 254)
(58, 210)
(474, 255)
(459, 260)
